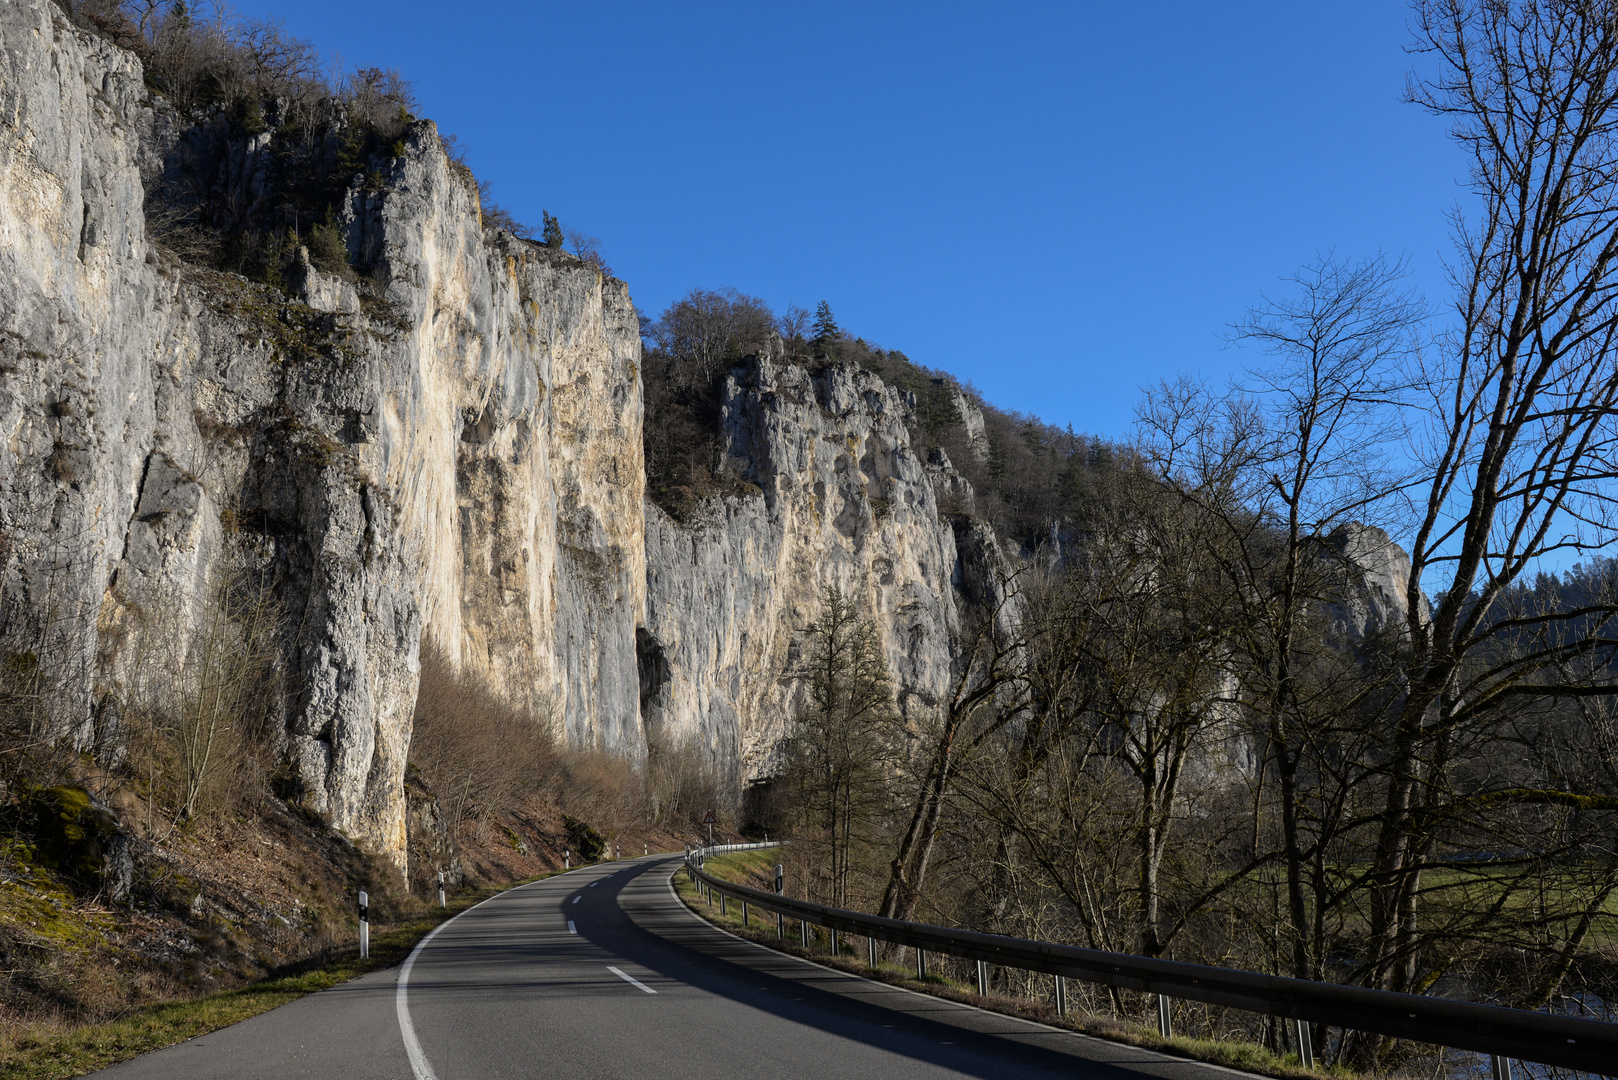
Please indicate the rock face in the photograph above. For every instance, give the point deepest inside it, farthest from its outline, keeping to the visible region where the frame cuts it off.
(1377, 601)
(842, 501)
(447, 448)
(451, 449)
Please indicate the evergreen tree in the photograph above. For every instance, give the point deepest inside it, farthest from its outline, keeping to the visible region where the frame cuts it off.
(553, 231)
(827, 332)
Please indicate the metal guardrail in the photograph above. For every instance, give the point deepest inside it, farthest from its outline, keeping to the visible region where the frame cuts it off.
(1566, 1041)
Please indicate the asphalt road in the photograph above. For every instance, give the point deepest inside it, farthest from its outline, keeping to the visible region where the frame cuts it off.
(604, 973)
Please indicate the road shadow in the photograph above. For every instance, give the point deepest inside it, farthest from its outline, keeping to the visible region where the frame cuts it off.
(654, 930)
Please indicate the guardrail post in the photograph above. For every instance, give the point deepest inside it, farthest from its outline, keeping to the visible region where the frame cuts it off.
(780, 927)
(832, 930)
(1306, 1044)
(921, 963)
(983, 979)
(803, 932)
(721, 903)
(1500, 1067)
(1164, 1027)
(744, 914)
(1061, 996)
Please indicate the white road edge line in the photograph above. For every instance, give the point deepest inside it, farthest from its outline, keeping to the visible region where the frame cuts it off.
(631, 980)
(419, 1064)
(570, 928)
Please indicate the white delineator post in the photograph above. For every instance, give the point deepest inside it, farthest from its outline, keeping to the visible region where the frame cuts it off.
(441, 903)
(780, 890)
(567, 859)
(365, 925)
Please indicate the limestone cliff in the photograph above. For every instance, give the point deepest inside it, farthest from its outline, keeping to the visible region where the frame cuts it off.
(842, 500)
(446, 445)
(449, 447)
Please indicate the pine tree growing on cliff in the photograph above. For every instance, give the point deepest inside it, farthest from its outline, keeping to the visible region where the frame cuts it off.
(827, 332)
(553, 231)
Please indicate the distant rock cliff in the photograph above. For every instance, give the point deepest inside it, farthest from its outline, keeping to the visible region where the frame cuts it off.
(844, 501)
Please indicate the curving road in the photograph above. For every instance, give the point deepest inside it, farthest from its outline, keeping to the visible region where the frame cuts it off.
(604, 973)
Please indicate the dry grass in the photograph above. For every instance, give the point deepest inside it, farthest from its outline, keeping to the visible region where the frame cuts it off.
(501, 776)
(58, 1050)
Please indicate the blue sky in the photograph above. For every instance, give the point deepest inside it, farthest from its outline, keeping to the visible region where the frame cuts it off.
(1058, 202)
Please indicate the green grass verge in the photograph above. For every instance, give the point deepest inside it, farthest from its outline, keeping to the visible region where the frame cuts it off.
(1248, 1057)
(51, 1053)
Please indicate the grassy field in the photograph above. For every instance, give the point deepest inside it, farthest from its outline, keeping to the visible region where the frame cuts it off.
(55, 1053)
(751, 867)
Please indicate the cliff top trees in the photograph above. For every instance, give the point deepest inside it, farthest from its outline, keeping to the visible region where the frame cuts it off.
(552, 235)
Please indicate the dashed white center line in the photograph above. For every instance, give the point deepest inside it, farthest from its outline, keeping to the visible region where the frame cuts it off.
(631, 980)
(576, 899)
(570, 928)
(592, 884)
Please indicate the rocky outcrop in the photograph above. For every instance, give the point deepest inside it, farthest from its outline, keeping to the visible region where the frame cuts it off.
(1375, 601)
(449, 446)
(842, 500)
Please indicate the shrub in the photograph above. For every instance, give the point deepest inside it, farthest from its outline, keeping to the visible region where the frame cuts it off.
(584, 839)
(326, 248)
(480, 754)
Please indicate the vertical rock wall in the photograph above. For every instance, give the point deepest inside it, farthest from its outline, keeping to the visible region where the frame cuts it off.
(448, 449)
(842, 501)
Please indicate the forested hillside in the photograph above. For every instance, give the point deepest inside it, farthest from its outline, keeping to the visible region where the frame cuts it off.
(1035, 482)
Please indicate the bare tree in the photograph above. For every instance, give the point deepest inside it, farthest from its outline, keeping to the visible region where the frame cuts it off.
(587, 248)
(1276, 466)
(793, 326)
(1520, 395)
(989, 691)
(841, 752)
(707, 327)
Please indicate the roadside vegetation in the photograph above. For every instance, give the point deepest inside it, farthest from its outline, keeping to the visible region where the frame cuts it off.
(50, 1051)
(1229, 722)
